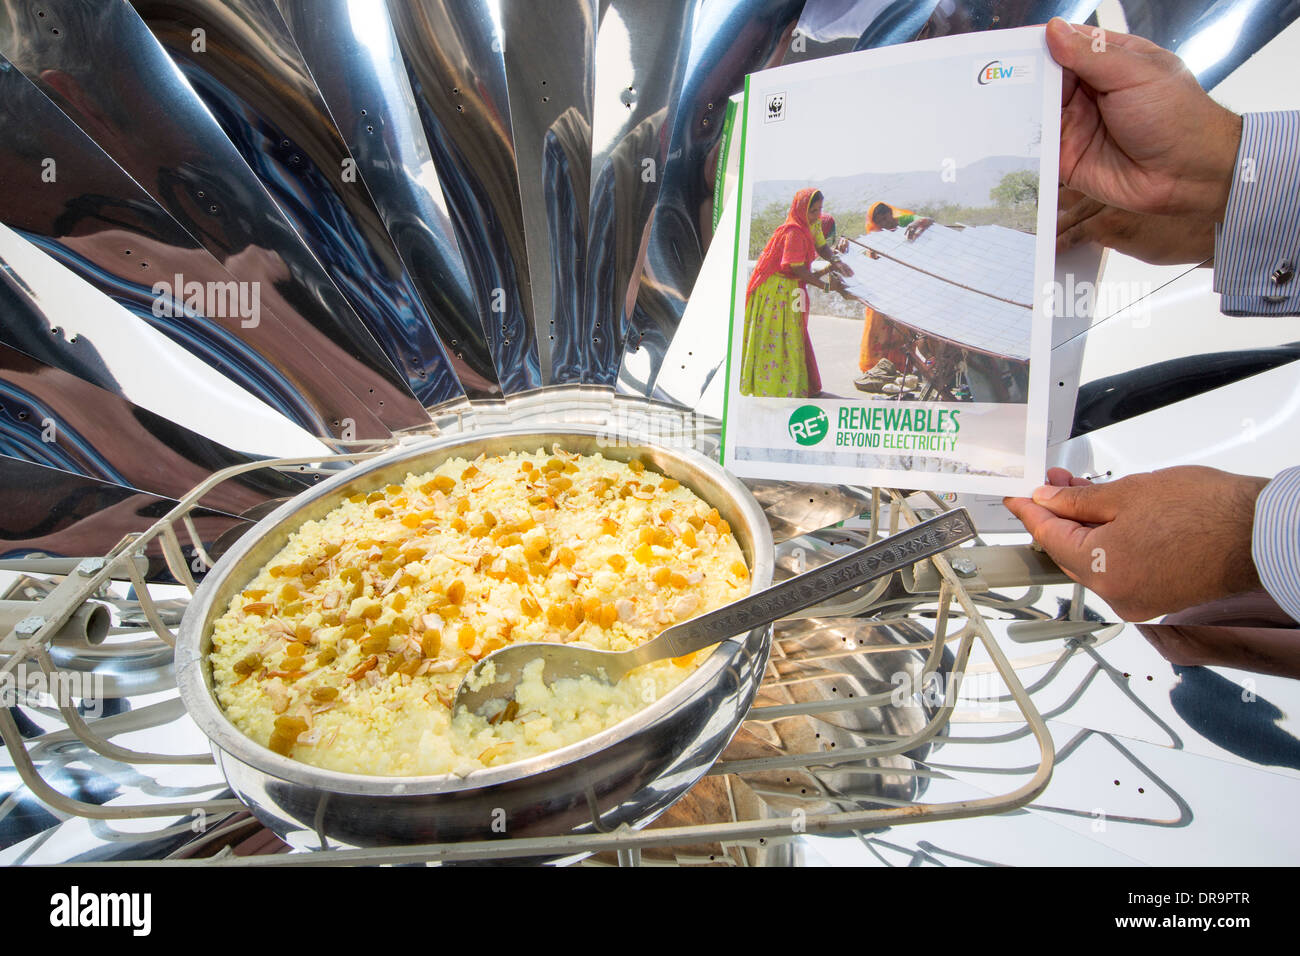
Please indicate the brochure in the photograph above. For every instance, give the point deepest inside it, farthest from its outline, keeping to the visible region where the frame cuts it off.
(892, 306)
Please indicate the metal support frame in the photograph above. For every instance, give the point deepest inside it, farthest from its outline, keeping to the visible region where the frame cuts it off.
(733, 835)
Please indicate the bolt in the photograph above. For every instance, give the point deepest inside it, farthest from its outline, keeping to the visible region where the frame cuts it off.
(29, 625)
(89, 566)
(964, 567)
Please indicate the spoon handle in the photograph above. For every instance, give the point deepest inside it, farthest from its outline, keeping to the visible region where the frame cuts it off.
(914, 544)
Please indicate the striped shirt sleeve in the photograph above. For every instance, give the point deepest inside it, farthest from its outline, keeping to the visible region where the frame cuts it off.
(1257, 246)
(1275, 545)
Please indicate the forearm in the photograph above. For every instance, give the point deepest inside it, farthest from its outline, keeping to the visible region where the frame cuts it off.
(805, 274)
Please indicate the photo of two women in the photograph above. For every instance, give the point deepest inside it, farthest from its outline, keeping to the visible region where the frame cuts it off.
(778, 357)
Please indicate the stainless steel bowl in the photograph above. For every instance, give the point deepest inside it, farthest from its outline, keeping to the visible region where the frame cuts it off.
(627, 774)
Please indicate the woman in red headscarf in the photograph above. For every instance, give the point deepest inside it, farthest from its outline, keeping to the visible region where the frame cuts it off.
(776, 358)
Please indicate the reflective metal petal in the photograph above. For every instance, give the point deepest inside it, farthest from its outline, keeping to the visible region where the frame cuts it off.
(640, 57)
(968, 16)
(731, 39)
(64, 195)
(353, 59)
(452, 50)
(550, 64)
(56, 513)
(1212, 38)
(57, 317)
(105, 70)
(899, 22)
(794, 509)
(53, 418)
(241, 61)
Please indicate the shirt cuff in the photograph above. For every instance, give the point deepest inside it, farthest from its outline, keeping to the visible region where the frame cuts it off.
(1257, 246)
(1275, 544)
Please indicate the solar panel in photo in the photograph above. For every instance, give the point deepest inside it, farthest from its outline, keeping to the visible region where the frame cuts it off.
(993, 260)
(940, 308)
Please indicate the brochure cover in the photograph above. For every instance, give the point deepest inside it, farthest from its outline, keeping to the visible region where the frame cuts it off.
(891, 313)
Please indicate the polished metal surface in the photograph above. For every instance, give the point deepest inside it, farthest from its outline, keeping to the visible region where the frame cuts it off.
(757, 609)
(100, 342)
(641, 51)
(53, 418)
(353, 60)
(65, 196)
(626, 774)
(53, 512)
(830, 27)
(241, 61)
(1212, 38)
(453, 55)
(794, 509)
(550, 119)
(832, 658)
(967, 16)
(731, 38)
(104, 69)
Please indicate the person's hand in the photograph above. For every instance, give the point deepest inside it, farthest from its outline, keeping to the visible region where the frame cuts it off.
(834, 283)
(842, 268)
(1160, 240)
(842, 246)
(1152, 543)
(916, 228)
(1137, 130)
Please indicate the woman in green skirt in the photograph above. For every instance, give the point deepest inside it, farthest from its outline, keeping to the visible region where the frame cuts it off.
(774, 353)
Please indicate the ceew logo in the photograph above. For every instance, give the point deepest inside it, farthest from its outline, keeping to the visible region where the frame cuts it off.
(1003, 72)
(809, 424)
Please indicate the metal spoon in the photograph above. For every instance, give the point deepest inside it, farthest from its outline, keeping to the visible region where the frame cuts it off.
(566, 660)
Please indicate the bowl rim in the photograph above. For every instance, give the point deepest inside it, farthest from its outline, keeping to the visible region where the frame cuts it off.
(194, 675)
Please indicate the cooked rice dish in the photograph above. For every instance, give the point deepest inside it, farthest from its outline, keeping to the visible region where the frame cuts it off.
(346, 649)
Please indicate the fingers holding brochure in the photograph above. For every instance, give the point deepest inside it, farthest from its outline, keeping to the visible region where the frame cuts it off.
(1137, 130)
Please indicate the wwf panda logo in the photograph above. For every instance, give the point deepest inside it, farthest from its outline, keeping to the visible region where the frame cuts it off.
(775, 108)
